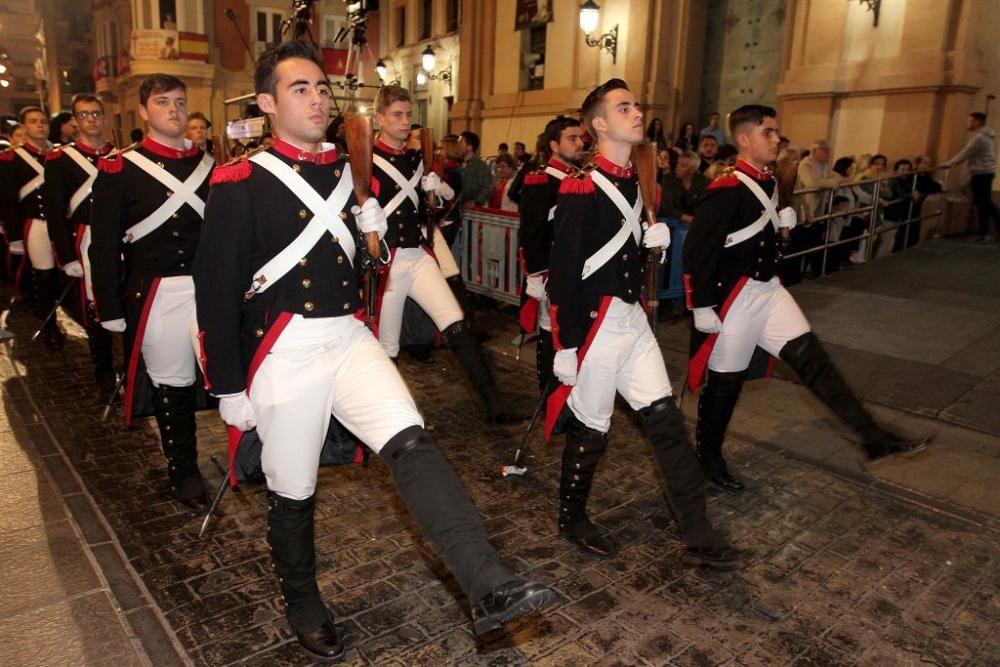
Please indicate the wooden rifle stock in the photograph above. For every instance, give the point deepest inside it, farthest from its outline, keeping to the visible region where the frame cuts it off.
(427, 150)
(219, 149)
(644, 162)
(359, 151)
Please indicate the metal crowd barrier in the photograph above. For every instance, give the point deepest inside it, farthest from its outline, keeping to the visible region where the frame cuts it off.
(488, 254)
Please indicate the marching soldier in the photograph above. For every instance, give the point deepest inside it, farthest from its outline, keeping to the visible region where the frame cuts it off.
(730, 257)
(277, 300)
(538, 202)
(70, 172)
(24, 219)
(149, 200)
(603, 342)
(413, 270)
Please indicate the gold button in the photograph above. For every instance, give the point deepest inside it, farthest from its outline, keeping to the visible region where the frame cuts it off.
(398, 212)
(395, 185)
(170, 193)
(303, 261)
(334, 239)
(296, 167)
(401, 225)
(626, 274)
(625, 257)
(175, 216)
(345, 283)
(307, 283)
(623, 221)
(180, 251)
(175, 233)
(308, 305)
(392, 158)
(161, 165)
(138, 295)
(259, 333)
(347, 306)
(343, 215)
(593, 314)
(336, 172)
(303, 213)
(340, 259)
(182, 265)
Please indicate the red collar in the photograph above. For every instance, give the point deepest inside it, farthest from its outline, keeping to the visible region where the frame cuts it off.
(328, 155)
(753, 171)
(553, 162)
(157, 148)
(386, 148)
(31, 149)
(607, 165)
(87, 150)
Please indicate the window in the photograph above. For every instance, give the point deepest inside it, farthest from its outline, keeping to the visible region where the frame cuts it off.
(533, 57)
(453, 6)
(168, 14)
(268, 30)
(400, 26)
(426, 9)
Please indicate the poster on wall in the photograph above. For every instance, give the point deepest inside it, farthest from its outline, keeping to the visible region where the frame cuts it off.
(155, 45)
(532, 13)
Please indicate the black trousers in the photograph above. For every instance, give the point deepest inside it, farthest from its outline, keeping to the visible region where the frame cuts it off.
(982, 198)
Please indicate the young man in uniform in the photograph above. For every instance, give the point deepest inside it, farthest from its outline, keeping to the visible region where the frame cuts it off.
(603, 342)
(278, 302)
(538, 202)
(731, 256)
(70, 172)
(23, 213)
(147, 215)
(413, 271)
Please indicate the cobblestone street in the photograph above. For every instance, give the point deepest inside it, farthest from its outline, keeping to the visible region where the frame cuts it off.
(842, 574)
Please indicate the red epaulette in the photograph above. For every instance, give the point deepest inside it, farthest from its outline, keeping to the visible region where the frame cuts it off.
(53, 154)
(233, 171)
(577, 184)
(7, 155)
(726, 180)
(111, 164)
(536, 178)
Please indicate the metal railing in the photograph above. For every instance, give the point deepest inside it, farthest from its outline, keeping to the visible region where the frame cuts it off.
(878, 229)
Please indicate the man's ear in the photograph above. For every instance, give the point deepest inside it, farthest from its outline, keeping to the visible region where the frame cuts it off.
(599, 123)
(143, 113)
(266, 103)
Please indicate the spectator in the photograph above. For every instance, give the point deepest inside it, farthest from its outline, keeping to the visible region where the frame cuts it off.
(815, 172)
(898, 202)
(267, 140)
(783, 144)
(503, 148)
(708, 148)
(688, 140)
(714, 170)
(336, 134)
(501, 188)
(855, 225)
(476, 180)
(18, 133)
(520, 150)
(451, 152)
(666, 162)
(713, 130)
(654, 133)
(197, 130)
(727, 153)
(981, 156)
(524, 163)
(63, 128)
(681, 190)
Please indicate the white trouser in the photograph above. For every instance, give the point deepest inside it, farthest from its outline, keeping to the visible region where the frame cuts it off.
(319, 367)
(446, 260)
(544, 318)
(39, 247)
(623, 357)
(414, 274)
(763, 314)
(170, 343)
(88, 283)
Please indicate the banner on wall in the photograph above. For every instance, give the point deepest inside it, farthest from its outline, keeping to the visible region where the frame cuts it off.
(155, 45)
(531, 13)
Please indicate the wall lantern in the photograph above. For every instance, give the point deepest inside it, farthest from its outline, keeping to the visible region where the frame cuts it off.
(589, 18)
(427, 62)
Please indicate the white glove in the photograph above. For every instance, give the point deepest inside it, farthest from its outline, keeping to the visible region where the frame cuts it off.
(16, 247)
(73, 269)
(656, 236)
(114, 326)
(371, 217)
(237, 411)
(446, 192)
(787, 219)
(431, 182)
(564, 366)
(536, 286)
(706, 321)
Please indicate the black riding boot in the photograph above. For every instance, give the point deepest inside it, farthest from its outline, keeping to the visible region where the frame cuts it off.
(462, 296)
(175, 407)
(545, 355)
(470, 355)
(715, 409)
(446, 516)
(808, 358)
(581, 454)
(685, 487)
(100, 342)
(290, 534)
(45, 284)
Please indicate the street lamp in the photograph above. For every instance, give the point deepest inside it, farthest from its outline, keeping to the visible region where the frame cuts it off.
(427, 62)
(428, 59)
(381, 69)
(589, 17)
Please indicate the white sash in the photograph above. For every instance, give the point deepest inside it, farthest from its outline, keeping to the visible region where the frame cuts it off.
(770, 213)
(560, 175)
(183, 193)
(325, 218)
(83, 191)
(632, 225)
(406, 188)
(34, 183)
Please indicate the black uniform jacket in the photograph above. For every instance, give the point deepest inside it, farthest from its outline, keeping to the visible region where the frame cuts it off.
(124, 195)
(63, 177)
(585, 220)
(541, 190)
(251, 217)
(406, 223)
(16, 174)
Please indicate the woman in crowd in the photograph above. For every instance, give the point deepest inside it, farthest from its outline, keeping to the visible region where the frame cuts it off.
(654, 133)
(688, 140)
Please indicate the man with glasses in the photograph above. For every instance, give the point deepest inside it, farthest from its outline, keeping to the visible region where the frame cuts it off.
(70, 172)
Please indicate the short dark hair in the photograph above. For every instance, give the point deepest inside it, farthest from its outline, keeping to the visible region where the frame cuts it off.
(841, 199)
(472, 139)
(389, 94)
(750, 113)
(554, 128)
(264, 80)
(197, 115)
(85, 98)
(843, 165)
(980, 116)
(159, 83)
(900, 162)
(503, 147)
(595, 98)
(22, 115)
(505, 158)
(726, 151)
(879, 156)
(521, 144)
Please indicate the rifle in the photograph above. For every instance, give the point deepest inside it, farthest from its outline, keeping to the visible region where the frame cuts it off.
(644, 160)
(359, 152)
(427, 149)
(220, 151)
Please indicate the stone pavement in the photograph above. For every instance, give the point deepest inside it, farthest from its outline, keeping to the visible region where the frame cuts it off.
(847, 571)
